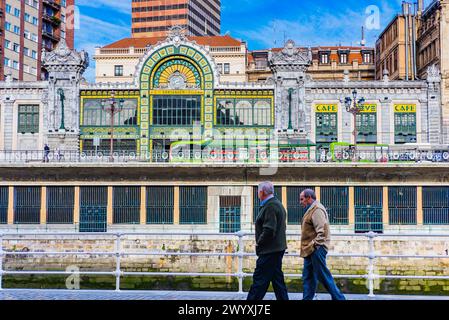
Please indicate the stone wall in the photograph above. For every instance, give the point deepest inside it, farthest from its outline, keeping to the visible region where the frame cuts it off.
(203, 244)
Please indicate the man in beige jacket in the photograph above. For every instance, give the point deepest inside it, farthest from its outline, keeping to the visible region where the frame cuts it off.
(315, 239)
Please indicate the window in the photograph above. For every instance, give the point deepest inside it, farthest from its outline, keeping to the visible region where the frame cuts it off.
(405, 128)
(326, 129)
(35, 21)
(344, 58)
(8, 8)
(220, 67)
(8, 26)
(435, 205)
(324, 58)
(244, 112)
(15, 65)
(366, 128)
(7, 44)
(16, 29)
(28, 119)
(16, 47)
(34, 54)
(176, 110)
(7, 62)
(402, 205)
(93, 114)
(60, 205)
(4, 192)
(27, 205)
(336, 201)
(26, 51)
(126, 205)
(227, 68)
(118, 71)
(193, 205)
(27, 17)
(17, 12)
(160, 205)
(367, 58)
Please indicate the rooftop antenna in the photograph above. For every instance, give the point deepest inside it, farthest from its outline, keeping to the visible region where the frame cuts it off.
(363, 42)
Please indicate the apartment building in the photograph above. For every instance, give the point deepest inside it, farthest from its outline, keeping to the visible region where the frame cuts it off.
(28, 26)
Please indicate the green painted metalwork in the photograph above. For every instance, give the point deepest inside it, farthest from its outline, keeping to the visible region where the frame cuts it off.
(160, 205)
(230, 214)
(120, 145)
(402, 205)
(126, 205)
(176, 110)
(4, 193)
(436, 205)
(62, 98)
(295, 212)
(405, 128)
(234, 112)
(368, 203)
(336, 202)
(326, 129)
(27, 205)
(193, 205)
(93, 209)
(366, 128)
(60, 205)
(256, 201)
(176, 63)
(28, 119)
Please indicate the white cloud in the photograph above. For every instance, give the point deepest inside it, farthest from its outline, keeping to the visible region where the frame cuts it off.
(94, 33)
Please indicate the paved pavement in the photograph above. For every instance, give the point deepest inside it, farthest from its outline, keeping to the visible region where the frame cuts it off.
(17, 294)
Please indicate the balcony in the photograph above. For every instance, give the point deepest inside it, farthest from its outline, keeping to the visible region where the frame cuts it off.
(52, 3)
(52, 19)
(50, 35)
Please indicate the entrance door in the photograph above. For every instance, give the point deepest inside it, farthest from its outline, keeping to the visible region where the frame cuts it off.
(368, 209)
(230, 210)
(93, 205)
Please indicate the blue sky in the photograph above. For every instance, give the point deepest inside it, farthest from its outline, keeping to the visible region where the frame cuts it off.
(261, 23)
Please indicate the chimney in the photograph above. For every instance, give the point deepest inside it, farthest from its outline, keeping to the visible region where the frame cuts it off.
(420, 7)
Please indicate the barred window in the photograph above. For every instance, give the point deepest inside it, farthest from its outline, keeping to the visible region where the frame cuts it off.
(28, 119)
(193, 205)
(160, 205)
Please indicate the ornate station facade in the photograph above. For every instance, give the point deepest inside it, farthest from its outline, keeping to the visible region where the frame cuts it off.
(176, 111)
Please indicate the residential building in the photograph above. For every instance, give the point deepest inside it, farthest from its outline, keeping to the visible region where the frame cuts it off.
(117, 62)
(153, 18)
(328, 63)
(26, 27)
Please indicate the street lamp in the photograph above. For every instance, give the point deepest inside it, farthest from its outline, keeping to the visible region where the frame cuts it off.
(111, 107)
(354, 107)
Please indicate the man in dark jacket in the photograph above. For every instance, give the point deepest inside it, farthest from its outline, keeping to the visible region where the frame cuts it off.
(271, 243)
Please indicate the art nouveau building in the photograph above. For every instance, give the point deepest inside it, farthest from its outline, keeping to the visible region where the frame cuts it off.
(176, 99)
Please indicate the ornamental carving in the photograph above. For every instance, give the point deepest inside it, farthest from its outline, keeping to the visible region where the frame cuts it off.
(291, 58)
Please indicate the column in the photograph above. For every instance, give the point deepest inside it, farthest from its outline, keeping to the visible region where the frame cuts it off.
(176, 211)
(419, 207)
(76, 206)
(284, 197)
(11, 205)
(110, 208)
(143, 205)
(43, 219)
(318, 193)
(385, 207)
(351, 207)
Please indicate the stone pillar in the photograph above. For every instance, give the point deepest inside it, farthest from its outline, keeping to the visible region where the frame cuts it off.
(8, 123)
(143, 205)
(419, 207)
(11, 205)
(386, 112)
(284, 197)
(351, 207)
(110, 208)
(385, 207)
(43, 219)
(318, 193)
(176, 211)
(76, 206)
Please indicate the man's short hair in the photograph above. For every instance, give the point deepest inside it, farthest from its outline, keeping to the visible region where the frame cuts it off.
(309, 193)
(267, 187)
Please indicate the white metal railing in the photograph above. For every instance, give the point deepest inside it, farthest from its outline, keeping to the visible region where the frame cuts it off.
(118, 253)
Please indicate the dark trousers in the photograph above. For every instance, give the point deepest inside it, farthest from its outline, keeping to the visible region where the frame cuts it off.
(315, 270)
(268, 269)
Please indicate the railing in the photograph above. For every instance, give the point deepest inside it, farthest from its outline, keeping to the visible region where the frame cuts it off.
(118, 253)
(242, 155)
